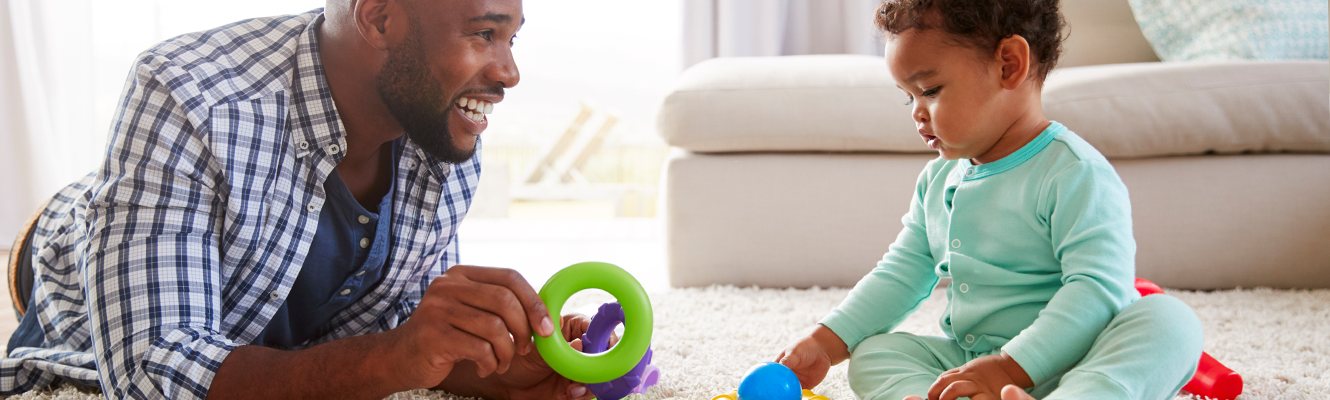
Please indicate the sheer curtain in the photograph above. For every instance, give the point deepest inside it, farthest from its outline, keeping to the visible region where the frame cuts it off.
(737, 28)
(63, 65)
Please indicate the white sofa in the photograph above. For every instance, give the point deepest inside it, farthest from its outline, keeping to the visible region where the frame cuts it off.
(795, 171)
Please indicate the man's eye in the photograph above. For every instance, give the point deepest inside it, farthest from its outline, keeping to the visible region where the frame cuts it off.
(512, 40)
(487, 35)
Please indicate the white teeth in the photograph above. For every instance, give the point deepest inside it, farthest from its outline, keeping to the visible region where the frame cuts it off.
(471, 103)
(489, 107)
(461, 102)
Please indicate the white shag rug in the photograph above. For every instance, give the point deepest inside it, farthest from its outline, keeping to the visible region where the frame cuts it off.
(705, 339)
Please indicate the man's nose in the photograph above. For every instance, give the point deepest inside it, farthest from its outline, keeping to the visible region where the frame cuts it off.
(504, 70)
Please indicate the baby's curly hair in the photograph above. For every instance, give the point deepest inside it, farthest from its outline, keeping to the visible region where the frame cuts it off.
(981, 24)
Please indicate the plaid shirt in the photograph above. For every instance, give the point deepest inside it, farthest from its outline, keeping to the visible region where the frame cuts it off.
(180, 248)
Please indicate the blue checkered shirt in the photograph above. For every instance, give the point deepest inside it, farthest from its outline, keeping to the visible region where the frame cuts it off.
(183, 244)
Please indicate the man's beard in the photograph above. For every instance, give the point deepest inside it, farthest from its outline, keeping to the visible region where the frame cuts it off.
(415, 98)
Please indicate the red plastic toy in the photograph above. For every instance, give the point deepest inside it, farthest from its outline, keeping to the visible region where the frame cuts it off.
(1212, 379)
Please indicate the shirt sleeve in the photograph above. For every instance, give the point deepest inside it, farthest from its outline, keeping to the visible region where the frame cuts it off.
(1089, 217)
(896, 287)
(154, 289)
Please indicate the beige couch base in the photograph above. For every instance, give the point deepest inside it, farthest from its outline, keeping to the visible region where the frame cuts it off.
(824, 219)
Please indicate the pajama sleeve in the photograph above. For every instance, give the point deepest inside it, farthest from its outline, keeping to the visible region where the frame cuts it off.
(1088, 214)
(898, 285)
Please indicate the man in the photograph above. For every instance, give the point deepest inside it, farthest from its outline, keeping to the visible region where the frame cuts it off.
(277, 214)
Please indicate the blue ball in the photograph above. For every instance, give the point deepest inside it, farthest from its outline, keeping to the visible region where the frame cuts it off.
(770, 381)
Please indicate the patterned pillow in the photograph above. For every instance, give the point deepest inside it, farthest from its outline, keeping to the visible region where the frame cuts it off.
(1190, 30)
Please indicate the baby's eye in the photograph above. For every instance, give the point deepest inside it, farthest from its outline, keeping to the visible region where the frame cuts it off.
(910, 101)
(931, 92)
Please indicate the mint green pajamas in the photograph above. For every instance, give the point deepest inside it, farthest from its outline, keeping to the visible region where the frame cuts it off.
(1040, 251)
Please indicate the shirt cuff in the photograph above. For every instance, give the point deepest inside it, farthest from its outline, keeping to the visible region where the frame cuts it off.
(1030, 359)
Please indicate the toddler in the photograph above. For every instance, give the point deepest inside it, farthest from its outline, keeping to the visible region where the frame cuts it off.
(1029, 221)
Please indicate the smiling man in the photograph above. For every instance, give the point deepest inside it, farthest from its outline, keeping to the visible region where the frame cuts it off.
(276, 218)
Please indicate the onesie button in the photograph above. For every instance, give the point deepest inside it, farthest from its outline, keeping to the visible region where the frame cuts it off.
(965, 288)
(969, 338)
(955, 243)
(969, 172)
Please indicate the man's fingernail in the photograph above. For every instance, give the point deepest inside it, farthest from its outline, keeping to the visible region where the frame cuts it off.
(546, 327)
(579, 391)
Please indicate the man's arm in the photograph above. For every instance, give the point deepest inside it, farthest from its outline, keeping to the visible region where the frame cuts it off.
(473, 326)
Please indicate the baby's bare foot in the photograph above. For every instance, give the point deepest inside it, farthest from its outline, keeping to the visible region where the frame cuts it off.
(1012, 392)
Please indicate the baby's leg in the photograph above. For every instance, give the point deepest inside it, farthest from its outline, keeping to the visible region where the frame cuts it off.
(1149, 351)
(894, 365)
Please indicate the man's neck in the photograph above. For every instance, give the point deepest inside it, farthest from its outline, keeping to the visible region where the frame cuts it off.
(366, 167)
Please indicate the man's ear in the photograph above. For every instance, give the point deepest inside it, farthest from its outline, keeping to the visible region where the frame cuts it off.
(382, 23)
(1013, 54)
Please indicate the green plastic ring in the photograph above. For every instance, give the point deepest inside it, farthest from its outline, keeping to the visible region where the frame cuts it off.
(601, 367)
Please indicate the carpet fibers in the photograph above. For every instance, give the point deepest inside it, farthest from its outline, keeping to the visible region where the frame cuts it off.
(706, 338)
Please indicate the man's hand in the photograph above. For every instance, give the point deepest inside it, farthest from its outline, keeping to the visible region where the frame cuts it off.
(811, 356)
(482, 315)
(980, 379)
(529, 378)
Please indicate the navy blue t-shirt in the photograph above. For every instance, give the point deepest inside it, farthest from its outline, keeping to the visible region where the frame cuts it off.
(345, 262)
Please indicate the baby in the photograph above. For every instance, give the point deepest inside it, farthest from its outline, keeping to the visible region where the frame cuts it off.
(1029, 221)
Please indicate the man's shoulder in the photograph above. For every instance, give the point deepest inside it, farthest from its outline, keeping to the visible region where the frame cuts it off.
(241, 60)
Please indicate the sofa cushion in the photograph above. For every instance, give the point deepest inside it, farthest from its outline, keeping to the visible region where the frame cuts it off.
(791, 103)
(849, 103)
(1160, 109)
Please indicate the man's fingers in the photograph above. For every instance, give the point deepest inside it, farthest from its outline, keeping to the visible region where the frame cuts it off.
(479, 351)
(960, 389)
(500, 301)
(538, 316)
(489, 328)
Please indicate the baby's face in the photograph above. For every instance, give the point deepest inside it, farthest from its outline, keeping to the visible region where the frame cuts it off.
(953, 91)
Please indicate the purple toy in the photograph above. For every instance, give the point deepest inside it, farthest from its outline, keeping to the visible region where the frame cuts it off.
(597, 340)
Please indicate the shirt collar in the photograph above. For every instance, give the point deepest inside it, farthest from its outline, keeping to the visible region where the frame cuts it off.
(1012, 160)
(318, 128)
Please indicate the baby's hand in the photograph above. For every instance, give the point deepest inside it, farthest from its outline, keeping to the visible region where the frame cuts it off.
(811, 356)
(981, 378)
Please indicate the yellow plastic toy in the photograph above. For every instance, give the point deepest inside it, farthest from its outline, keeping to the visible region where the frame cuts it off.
(734, 395)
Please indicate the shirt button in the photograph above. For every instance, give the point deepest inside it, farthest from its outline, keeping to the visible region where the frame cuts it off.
(312, 207)
(334, 149)
(345, 292)
(274, 295)
(364, 243)
(969, 338)
(362, 272)
(304, 145)
(955, 243)
(363, 219)
(965, 288)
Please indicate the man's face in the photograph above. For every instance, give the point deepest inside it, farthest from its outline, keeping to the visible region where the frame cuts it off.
(453, 65)
(953, 92)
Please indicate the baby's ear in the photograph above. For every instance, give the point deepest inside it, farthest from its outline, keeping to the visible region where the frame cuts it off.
(1013, 54)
